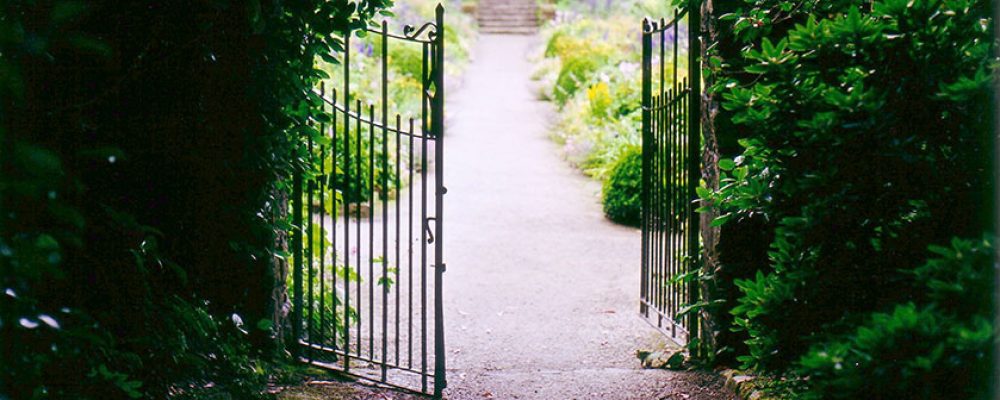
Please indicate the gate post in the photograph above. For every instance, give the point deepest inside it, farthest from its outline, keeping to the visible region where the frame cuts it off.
(647, 138)
(440, 381)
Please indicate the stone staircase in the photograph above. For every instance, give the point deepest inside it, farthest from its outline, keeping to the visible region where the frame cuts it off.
(507, 17)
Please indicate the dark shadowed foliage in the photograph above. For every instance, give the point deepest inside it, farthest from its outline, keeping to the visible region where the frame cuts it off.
(143, 150)
(857, 136)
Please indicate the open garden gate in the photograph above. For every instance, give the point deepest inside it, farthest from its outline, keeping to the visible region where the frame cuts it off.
(671, 148)
(367, 216)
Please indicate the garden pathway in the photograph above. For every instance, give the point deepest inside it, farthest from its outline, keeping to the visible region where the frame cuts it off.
(541, 289)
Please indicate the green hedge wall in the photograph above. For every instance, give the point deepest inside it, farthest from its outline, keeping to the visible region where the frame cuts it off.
(143, 147)
(858, 135)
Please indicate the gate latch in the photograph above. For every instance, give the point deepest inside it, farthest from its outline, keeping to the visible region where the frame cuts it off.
(427, 226)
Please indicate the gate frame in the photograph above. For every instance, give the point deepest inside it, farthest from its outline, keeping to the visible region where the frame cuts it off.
(692, 170)
(431, 128)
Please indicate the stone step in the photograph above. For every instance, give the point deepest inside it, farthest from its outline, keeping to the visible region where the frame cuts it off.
(510, 17)
(506, 3)
(506, 20)
(486, 28)
(483, 24)
(507, 10)
(509, 31)
(507, 16)
(503, 6)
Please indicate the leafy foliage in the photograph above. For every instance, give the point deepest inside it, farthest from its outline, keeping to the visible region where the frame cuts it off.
(940, 349)
(404, 64)
(590, 68)
(849, 181)
(142, 155)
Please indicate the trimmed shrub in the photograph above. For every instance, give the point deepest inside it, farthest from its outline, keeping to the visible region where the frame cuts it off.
(623, 189)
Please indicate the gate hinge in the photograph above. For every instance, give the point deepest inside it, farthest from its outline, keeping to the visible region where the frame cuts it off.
(443, 267)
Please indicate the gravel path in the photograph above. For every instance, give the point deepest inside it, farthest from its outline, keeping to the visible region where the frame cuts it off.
(541, 290)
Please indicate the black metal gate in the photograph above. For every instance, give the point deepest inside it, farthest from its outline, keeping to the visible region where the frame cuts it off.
(671, 136)
(366, 241)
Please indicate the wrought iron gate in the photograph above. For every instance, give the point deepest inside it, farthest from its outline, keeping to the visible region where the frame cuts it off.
(367, 235)
(671, 147)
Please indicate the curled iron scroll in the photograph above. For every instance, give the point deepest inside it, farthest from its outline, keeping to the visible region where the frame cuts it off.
(414, 33)
(649, 26)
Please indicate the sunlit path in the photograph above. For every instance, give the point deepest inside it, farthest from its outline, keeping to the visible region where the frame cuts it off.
(541, 290)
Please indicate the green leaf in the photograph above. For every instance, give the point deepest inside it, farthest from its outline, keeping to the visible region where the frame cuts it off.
(265, 324)
(721, 220)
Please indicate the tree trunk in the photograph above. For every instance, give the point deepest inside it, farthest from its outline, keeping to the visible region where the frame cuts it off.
(709, 173)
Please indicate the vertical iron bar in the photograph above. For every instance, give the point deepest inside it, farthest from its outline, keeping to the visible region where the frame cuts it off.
(676, 39)
(663, 60)
(357, 218)
(655, 194)
(371, 231)
(654, 203)
(409, 280)
(662, 213)
(688, 220)
(333, 216)
(663, 180)
(345, 194)
(647, 142)
(659, 195)
(440, 381)
(675, 215)
(399, 261)
(310, 246)
(297, 257)
(661, 123)
(678, 219)
(425, 131)
(384, 194)
(322, 221)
